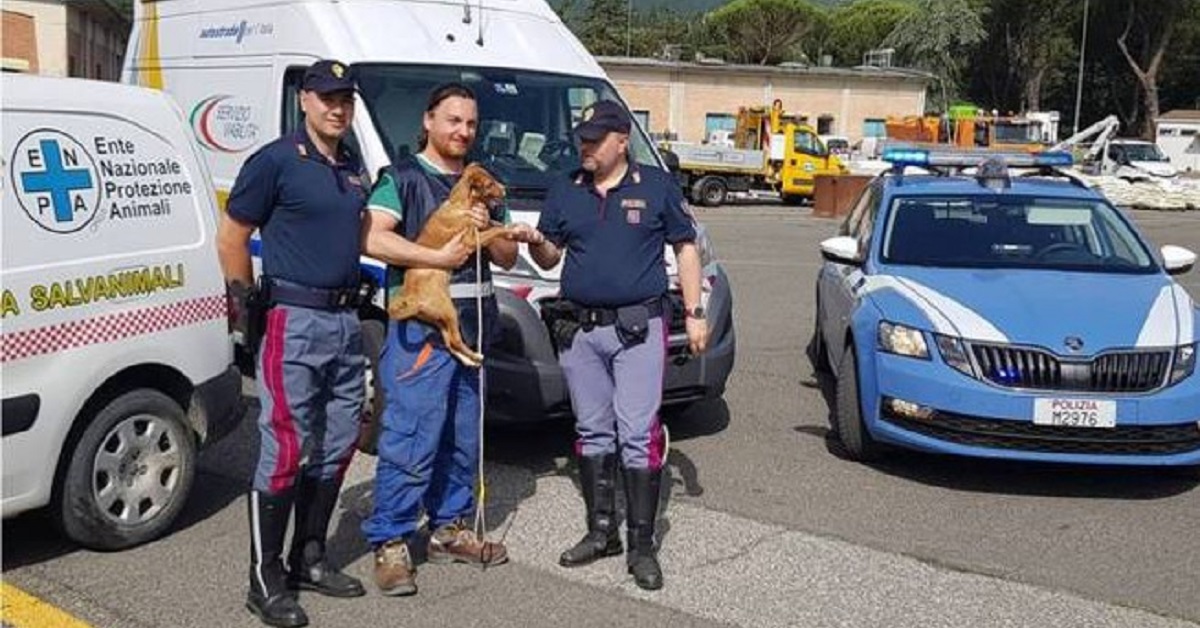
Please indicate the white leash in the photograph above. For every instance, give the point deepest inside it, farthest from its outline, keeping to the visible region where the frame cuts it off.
(480, 502)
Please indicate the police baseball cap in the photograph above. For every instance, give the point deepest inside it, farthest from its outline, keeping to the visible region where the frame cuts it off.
(601, 118)
(327, 76)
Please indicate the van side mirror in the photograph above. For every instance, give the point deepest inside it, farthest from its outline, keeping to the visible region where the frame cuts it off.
(671, 160)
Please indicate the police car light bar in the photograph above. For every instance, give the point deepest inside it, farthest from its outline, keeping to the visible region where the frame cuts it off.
(922, 157)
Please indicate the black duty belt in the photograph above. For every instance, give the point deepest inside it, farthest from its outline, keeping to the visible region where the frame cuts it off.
(290, 293)
(602, 316)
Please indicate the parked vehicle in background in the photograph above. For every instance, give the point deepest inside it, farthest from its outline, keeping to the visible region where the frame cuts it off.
(118, 362)
(1005, 316)
(1179, 139)
(1134, 159)
(236, 65)
(836, 145)
(771, 151)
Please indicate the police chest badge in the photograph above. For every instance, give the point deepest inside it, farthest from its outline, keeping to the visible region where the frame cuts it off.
(633, 210)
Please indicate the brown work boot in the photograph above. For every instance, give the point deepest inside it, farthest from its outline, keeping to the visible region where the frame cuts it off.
(394, 571)
(455, 542)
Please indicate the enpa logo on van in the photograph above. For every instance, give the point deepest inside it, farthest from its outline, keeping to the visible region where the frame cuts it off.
(56, 180)
(225, 124)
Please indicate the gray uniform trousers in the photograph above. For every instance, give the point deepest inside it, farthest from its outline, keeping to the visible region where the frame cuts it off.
(311, 372)
(616, 392)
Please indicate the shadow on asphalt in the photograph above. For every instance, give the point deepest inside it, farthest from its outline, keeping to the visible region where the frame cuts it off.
(1012, 477)
(520, 455)
(211, 493)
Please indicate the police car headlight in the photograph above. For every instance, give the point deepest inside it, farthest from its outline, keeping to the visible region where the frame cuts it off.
(902, 340)
(1185, 362)
(954, 354)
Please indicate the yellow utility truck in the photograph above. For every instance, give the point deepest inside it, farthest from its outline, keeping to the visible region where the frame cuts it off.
(768, 151)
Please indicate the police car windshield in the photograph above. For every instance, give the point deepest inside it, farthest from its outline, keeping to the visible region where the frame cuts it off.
(1013, 232)
(525, 118)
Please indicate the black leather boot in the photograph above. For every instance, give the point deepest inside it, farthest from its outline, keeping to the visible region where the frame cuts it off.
(598, 481)
(307, 567)
(641, 507)
(269, 597)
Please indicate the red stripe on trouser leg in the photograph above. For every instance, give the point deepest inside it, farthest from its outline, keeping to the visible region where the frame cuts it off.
(657, 442)
(283, 426)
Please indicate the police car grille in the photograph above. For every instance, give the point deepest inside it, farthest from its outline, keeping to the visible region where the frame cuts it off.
(1026, 436)
(1024, 367)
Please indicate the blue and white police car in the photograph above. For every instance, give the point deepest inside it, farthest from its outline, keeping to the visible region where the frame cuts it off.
(982, 311)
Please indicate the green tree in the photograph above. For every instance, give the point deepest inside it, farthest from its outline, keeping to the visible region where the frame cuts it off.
(938, 36)
(864, 25)
(1029, 48)
(764, 32)
(1144, 43)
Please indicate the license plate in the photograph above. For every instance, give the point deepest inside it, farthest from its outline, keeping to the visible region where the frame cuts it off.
(1075, 412)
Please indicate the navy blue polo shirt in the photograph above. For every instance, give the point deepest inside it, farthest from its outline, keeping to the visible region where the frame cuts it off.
(308, 211)
(614, 243)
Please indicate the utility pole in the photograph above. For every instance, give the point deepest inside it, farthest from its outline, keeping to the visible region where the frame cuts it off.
(629, 28)
(1082, 52)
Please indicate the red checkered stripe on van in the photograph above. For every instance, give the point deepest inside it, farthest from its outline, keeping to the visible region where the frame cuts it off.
(110, 328)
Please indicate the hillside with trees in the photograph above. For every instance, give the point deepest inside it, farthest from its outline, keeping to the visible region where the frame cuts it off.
(1142, 57)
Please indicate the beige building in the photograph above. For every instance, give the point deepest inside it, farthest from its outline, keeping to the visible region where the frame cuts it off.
(689, 100)
(83, 38)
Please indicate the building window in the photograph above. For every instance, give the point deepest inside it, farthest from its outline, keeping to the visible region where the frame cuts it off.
(643, 119)
(824, 124)
(719, 122)
(874, 127)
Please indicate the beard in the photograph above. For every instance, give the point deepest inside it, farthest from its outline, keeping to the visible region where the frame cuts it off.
(450, 148)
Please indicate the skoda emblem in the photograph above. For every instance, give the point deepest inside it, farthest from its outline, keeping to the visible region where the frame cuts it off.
(1074, 343)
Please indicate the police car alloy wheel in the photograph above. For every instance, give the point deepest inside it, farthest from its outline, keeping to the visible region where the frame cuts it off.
(129, 474)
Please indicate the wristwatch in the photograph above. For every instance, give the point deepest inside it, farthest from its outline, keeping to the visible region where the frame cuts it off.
(696, 312)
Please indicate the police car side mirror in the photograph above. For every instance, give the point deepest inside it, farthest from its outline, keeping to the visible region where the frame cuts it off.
(1177, 260)
(842, 250)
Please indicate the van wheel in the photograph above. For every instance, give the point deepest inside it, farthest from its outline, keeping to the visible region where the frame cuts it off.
(129, 474)
(794, 200)
(710, 191)
(851, 430)
(373, 334)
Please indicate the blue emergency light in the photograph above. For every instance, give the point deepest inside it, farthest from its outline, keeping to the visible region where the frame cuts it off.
(922, 157)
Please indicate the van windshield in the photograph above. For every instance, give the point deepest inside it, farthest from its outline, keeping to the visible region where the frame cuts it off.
(525, 118)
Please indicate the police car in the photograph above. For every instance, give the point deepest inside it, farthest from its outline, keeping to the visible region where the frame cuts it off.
(982, 311)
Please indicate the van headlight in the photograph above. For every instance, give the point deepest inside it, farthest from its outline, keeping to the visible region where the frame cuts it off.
(954, 353)
(902, 340)
(1184, 363)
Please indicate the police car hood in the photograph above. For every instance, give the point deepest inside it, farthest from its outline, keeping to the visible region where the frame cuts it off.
(1038, 307)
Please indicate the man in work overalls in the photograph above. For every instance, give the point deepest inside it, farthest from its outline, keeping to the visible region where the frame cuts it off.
(429, 443)
(612, 218)
(304, 194)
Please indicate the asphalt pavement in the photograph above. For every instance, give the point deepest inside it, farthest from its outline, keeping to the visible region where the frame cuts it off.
(765, 524)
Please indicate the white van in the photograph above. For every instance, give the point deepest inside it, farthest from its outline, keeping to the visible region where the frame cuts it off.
(235, 65)
(116, 354)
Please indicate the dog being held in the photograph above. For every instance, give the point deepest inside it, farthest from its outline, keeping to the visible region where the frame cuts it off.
(425, 294)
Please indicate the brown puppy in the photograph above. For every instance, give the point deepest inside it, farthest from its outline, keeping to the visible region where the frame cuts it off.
(426, 291)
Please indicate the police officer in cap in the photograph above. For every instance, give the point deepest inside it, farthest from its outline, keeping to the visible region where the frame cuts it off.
(304, 194)
(612, 220)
